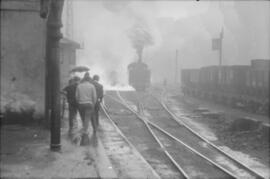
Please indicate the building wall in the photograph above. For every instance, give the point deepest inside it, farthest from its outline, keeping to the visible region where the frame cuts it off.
(22, 55)
(67, 62)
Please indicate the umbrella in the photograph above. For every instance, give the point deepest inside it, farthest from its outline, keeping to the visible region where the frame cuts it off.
(80, 69)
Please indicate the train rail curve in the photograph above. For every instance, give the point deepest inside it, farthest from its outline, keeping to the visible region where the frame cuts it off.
(166, 121)
(191, 163)
(132, 164)
(144, 141)
(181, 122)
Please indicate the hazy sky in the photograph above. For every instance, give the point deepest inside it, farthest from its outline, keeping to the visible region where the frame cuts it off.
(103, 26)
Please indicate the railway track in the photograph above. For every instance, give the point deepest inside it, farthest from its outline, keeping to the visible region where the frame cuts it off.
(126, 160)
(159, 116)
(143, 140)
(189, 162)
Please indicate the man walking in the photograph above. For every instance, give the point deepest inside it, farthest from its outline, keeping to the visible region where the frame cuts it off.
(69, 91)
(86, 97)
(99, 90)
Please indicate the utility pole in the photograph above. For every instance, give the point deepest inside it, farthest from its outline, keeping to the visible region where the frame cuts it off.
(220, 47)
(52, 10)
(217, 45)
(176, 67)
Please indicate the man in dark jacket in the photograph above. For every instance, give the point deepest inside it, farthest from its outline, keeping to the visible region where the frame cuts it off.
(99, 90)
(72, 103)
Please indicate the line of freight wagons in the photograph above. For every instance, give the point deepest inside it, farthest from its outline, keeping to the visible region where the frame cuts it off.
(240, 86)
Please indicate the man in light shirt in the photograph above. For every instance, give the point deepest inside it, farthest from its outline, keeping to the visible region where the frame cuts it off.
(86, 98)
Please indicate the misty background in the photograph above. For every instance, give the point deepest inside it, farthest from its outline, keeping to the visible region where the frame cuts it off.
(107, 30)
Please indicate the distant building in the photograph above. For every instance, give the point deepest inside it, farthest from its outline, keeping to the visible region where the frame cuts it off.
(23, 39)
(67, 59)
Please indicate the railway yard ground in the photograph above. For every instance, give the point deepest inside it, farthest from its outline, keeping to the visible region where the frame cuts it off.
(234, 128)
(156, 134)
(245, 135)
(162, 150)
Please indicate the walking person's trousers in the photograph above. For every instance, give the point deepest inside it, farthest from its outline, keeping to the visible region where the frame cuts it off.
(72, 113)
(87, 114)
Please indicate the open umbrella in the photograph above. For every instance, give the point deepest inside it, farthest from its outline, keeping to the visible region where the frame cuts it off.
(80, 69)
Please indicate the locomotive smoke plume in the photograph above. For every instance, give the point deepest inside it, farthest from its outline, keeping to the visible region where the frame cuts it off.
(140, 38)
(111, 30)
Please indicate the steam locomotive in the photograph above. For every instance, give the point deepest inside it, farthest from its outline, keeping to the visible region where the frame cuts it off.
(139, 75)
(242, 86)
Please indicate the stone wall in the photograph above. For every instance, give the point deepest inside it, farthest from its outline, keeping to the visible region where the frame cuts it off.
(23, 38)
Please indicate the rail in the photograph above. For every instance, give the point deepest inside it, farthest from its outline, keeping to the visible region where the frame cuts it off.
(104, 108)
(156, 138)
(147, 122)
(182, 123)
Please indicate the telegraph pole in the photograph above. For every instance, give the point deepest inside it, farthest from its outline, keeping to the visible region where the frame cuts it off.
(220, 47)
(217, 45)
(176, 66)
(52, 10)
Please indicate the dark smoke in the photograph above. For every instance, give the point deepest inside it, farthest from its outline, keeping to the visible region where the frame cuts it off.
(140, 38)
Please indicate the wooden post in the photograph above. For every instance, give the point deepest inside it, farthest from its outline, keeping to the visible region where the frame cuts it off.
(220, 47)
(220, 53)
(176, 67)
(53, 10)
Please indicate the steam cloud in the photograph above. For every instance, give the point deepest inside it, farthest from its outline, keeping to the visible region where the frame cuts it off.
(115, 33)
(140, 38)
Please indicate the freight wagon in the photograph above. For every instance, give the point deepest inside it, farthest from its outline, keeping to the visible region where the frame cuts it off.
(240, 86)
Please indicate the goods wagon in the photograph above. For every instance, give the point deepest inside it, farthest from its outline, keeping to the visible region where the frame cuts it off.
(240, 86)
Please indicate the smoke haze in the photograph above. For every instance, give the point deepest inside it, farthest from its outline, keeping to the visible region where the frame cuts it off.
(104, 27)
